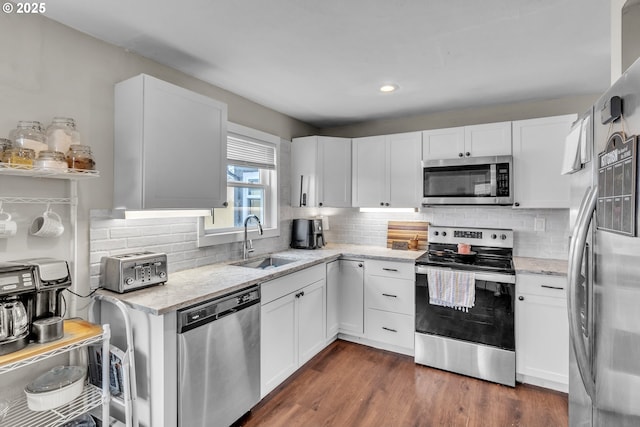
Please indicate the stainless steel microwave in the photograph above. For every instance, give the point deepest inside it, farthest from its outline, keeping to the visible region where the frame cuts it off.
(468, 181)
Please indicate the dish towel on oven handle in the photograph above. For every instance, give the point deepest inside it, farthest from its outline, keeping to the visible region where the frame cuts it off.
(449, 288)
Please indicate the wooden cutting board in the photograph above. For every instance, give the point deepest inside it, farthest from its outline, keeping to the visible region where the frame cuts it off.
(400, 232)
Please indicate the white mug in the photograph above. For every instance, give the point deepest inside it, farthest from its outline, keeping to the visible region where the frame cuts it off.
(49, 224)
(8, 227)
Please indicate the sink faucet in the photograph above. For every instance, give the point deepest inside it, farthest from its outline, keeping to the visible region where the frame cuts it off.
(246, 248)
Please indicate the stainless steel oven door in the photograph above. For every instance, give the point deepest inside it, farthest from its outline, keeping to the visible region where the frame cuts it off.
(478, 343)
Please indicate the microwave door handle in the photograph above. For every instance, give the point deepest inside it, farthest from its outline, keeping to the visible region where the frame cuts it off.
(576, 253)
(493, 180)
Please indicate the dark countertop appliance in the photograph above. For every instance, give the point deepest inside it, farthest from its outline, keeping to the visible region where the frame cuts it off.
(307, 234)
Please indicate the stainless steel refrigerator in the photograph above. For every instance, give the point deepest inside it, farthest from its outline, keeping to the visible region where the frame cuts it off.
(603, 295)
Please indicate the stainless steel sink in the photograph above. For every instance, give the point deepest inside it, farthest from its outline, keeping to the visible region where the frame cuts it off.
(265, 262)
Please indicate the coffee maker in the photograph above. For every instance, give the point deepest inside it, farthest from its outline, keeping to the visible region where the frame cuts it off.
(52, 278)
(307, 234)
(17, 295)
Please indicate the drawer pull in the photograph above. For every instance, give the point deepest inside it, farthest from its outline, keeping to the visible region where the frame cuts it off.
(560, 288)
(389, 269)
(389, 329)
(390, 296)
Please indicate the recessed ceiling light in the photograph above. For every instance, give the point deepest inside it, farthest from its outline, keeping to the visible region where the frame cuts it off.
(389, 88)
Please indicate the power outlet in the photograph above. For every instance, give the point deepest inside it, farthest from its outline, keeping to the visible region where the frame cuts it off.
(539, 224)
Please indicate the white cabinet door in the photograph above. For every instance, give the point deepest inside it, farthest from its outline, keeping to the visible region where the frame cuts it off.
(321, 172)
(443, 143)
(491, 139)
(369, 186)
(386, 170)
(278, 342)
(538, 149)
(334, 165)
(170, 147)
(311, 321)
(351, 297)
(542, 331)
(405, 171)
(333, 298)
(304, 171)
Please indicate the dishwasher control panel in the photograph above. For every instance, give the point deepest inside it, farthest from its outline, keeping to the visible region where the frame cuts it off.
(209, 311)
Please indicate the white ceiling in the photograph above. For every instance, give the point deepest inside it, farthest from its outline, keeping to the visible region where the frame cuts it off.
(322, 61)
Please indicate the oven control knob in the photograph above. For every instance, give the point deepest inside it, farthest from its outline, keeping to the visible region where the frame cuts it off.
(494, 236)
(444, 233)
(436, 233)
(503, 236)
(129, 281)
(162, 274)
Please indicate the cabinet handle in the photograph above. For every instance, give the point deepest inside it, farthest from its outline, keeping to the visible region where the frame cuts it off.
(225, 204)
(386, 204)
(300, 294)
(360, 265)
(460, 155)
(467, 154)
(521, 298)
(389, 329)
(560, 288)
(390, 296)
(389, 269)
(320, 204)
(516, 204)
(381, 203)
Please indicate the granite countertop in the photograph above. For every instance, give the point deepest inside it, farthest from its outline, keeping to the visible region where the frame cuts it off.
(188, 287)
(555, 267)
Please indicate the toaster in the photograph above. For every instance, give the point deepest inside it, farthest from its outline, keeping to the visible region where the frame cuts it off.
(128, 272)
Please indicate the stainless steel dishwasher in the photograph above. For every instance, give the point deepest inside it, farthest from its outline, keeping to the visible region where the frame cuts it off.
(219, 359)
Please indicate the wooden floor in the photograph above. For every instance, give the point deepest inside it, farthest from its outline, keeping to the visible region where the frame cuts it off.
(352, 385)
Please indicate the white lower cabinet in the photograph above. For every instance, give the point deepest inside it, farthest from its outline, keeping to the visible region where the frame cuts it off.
(345, 298)
(542, 331)
(390, 305)
(292, 324)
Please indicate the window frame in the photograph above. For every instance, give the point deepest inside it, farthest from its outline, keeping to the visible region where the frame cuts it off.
(271, 226)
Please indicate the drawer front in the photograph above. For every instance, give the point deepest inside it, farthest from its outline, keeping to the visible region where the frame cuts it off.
(402, 270)
(276, 288)
(542, 285)
(395, 295)
(390, 328)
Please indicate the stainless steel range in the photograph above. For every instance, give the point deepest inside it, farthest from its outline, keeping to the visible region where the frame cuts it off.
(465, 289)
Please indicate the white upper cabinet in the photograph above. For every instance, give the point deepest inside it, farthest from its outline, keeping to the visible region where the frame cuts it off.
(321, 172)
(386, 170)
(170, 147)
(538, 148)
(492, 139)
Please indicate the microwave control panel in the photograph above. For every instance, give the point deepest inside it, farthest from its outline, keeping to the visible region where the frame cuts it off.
(502, 179)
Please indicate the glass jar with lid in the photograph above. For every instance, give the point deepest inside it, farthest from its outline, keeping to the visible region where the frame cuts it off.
(80, 157)
(29, 134)
(49, 159)
(61, 134)
(19, 157)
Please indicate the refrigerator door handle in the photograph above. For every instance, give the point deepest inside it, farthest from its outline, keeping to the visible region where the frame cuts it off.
(576, 253)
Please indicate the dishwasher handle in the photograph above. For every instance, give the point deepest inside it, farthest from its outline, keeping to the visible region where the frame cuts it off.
(212, 310)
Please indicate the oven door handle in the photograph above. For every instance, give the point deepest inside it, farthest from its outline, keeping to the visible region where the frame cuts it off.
(479, 275)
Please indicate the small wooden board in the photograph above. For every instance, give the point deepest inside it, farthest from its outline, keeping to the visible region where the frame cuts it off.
(75, 330)
(403, 231)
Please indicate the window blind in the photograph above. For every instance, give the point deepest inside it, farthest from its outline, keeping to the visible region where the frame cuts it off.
(243, 151)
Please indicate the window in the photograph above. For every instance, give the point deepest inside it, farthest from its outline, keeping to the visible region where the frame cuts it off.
(252, 187)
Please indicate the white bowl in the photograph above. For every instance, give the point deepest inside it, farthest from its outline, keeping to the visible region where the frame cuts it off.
(55, 388)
